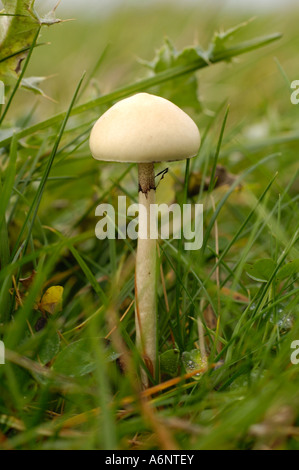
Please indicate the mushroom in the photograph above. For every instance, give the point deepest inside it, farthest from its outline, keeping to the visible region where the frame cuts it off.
(145, 129)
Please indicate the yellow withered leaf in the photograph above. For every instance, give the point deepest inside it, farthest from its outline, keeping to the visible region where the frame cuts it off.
(51, 301)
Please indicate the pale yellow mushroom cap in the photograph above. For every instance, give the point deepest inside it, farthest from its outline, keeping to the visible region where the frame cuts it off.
(143, 129)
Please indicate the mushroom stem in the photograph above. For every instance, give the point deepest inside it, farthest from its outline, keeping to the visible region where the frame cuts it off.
(145, 273)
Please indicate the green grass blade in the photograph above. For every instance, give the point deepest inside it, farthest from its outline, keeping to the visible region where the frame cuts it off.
(36, 202)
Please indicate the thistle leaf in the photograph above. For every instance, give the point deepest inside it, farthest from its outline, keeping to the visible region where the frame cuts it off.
(19, 23)
(33, 84)
(221, 39)
(183, 91)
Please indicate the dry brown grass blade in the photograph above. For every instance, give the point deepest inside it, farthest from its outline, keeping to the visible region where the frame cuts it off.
(83, 417)
(164, 436)
(234, 295)
(120, 320)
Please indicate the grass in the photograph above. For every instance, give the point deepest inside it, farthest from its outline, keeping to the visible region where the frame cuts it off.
(69, 381)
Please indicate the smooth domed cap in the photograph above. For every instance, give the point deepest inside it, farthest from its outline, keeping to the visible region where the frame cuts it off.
(143, 129)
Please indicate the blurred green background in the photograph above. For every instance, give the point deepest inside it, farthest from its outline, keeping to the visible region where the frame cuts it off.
(257, 379)
(255, 85)
(135, 29)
